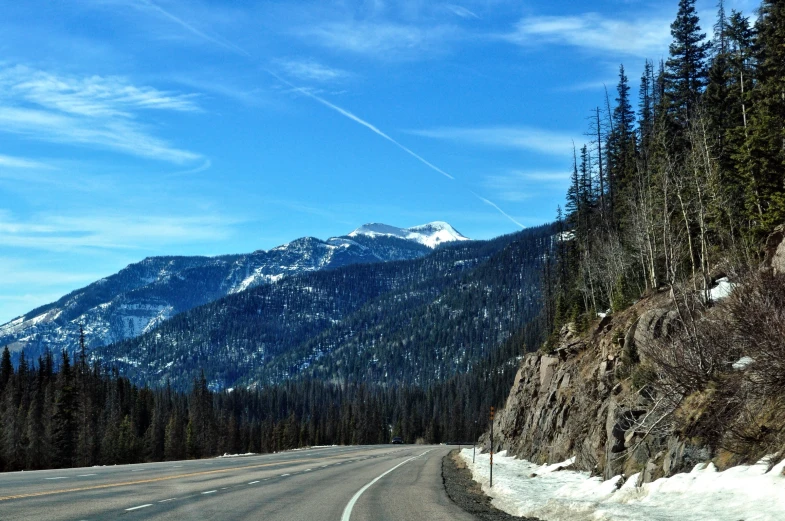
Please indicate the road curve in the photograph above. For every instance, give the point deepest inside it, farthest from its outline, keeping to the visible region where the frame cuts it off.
(379, 483)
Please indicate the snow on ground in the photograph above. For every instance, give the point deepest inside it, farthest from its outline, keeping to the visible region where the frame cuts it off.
(521, 488)
(227, 455)
(722, 290)
(743, 362)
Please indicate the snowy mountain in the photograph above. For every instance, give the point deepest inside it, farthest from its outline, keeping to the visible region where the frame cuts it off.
(142, 295)
(391, 323)
(432, 234)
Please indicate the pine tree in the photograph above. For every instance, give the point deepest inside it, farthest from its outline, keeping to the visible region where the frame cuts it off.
(6, 368)
(645, 105)
(765, 144)
(64, 410)
(37, 446)
(686, 65)
(622, 149)
(175, 442)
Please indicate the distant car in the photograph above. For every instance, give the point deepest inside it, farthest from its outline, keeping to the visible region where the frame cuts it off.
(397, 440)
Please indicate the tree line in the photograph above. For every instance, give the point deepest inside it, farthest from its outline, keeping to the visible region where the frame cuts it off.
(59, 413)
(682, 190)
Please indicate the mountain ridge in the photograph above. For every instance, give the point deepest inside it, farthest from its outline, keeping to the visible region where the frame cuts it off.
(144, 294)
(400, 322)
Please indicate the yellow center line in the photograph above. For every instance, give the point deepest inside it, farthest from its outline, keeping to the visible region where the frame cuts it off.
(150, 480)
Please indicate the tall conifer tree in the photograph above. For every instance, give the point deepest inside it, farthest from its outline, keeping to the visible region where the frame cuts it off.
(765, 146)
(686, 66)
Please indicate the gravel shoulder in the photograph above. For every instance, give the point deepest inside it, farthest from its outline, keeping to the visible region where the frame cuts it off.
(467, 493)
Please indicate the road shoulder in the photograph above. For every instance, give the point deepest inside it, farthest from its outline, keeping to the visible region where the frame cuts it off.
(467, 494)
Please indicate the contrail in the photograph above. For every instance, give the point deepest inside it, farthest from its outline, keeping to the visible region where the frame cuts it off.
(362, 122)
(489, 202)
(185, 25)
(376, 130)
(238, 50)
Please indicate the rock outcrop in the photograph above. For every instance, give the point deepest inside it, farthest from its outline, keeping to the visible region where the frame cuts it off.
(591, 398)
(580, 400)
(774, 251)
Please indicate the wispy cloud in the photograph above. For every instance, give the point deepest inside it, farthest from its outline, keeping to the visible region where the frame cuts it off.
(126, 137)
(20, 276)
(201, 168)
(519, 185)
(93, 96)
(93, 111)
(608, 83)
(311, 70)
(22, 163)
(251, 97)
(110, 231)
(29, 283)
(522, 138)
(385, 40)
(461, 11)
(644, 37)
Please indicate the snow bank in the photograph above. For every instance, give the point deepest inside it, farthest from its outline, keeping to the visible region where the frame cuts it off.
(522, 488)
(227, 455)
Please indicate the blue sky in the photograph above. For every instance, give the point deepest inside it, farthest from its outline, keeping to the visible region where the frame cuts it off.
(131, 128)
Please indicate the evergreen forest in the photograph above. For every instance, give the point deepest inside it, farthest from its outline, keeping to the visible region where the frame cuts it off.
(681, 185)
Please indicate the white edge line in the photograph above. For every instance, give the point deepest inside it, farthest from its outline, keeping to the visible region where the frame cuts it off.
(140, 506)
(347, 512)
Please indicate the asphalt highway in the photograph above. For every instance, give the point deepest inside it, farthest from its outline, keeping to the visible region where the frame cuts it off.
(379, 483)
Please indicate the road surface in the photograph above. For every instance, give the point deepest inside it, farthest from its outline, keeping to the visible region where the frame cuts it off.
(379, 483)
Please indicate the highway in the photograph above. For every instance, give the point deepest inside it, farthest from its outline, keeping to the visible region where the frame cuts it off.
(379, 483)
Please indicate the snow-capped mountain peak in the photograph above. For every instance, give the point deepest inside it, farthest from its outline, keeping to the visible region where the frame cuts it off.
(431, 234)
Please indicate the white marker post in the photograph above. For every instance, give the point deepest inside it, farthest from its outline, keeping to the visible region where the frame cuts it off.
(491, 446)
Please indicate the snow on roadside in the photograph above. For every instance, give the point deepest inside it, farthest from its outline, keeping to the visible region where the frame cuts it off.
(522, 488)
(227, 455)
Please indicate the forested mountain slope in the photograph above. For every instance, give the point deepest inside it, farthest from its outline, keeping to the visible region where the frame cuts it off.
(404, 322)
(144, 294)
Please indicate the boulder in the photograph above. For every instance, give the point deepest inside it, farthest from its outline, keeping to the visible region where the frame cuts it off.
(774, 251)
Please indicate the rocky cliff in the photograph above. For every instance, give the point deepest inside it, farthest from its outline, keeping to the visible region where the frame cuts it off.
(583, 399)
(659, 387)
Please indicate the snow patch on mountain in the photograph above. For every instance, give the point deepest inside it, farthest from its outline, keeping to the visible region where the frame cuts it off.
(431, 234)
(257, 278)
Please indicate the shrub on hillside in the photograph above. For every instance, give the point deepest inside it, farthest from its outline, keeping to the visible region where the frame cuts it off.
(732, 357)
